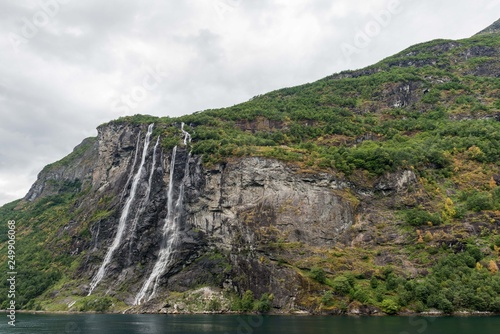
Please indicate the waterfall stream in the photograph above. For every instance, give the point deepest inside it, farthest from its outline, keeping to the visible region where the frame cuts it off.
(187, 136)
(123, 218)
(170, 230)
(144, 200)
(131, 175)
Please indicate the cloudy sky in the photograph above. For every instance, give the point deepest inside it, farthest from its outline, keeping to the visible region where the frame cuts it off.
(67, 66)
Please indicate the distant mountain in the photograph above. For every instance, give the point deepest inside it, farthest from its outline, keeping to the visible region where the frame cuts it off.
(369, 191)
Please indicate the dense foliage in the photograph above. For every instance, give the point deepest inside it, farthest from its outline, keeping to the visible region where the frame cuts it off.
(432, 109)
(456, 282)
(395, 114)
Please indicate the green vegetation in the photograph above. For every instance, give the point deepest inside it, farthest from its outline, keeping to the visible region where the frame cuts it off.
(318, 274)
(42, 250)
(345, 125)
(78, 152)
(389, 306)
(417, 217)
(341, 285)
(95, 304)
(457, 282)
(429, 110)
(248, 303)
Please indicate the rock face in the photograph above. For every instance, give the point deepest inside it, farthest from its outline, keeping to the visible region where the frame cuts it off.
(245, 201)
(234, 210)
(494, 28)
(70, 171)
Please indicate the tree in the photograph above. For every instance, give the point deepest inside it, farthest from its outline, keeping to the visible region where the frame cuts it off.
(390, 306)
(341, 285)
(479, 201)
(264, 303)
(318, 274)
(448, 211)
(492, 267)
(247, 301)
(327, 298)
(492, 183)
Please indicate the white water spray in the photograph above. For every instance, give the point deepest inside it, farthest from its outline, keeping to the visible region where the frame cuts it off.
(145, 199)
(187, 136)
(170, 233)
(131, 175)
(148, 189)
(123, 218)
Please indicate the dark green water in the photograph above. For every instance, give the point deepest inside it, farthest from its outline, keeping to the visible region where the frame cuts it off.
(153, 324)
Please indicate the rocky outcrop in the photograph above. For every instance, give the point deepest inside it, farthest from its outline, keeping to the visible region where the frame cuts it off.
(229, 215)
(67, 174)
(231, 218)
(255, 199)
(259, 124)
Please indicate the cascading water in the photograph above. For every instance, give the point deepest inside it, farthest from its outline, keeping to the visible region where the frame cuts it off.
(170, 229)
(131, 175)
(123, 218)
(187, 136)
(153, 166)
(145, 199)
(168, 219)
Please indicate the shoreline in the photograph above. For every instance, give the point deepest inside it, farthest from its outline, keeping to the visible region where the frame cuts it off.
(299, 313)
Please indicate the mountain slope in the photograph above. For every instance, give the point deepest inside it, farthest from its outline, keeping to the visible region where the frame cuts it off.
(367, 191)
(494, 28)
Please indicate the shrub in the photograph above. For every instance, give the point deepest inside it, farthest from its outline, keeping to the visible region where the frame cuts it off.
(496, 241)
(404, 298)
(97, 304)
(374, 282)
(475, 252)
(214, 305)
(390, 306)
(444, 304)
(247, 301)
(419, 307)
(495, 305)
(341, 285)
(492, 267)
(264, 303)
(418, 217)
(327, 298)
(496, 198)
(318, 274)
(361, 294)
(422, 292)
(391, 282)
(479, 201)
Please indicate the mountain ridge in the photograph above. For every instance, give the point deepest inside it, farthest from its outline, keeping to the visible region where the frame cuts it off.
(361, 193)
(494, 28)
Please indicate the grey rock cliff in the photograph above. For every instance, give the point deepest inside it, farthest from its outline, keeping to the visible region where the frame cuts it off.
(238, 209)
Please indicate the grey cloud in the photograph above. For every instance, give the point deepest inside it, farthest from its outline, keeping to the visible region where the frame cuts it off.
(56, 89)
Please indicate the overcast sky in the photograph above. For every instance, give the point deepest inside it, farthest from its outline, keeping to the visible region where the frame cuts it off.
(67, 66)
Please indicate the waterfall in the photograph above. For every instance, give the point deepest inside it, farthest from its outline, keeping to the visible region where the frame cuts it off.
(187, 136)
(97, 235)
(145, 199)
(153, 166)
(170, 232)
(133, 166)
(123, 218)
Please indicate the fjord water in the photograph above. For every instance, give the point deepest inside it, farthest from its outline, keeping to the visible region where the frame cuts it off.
(222, 324)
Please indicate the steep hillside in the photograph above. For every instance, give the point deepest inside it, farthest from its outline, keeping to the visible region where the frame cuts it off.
(375, 190)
